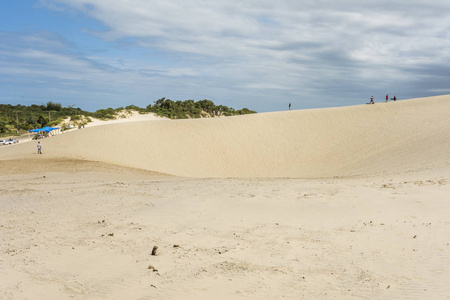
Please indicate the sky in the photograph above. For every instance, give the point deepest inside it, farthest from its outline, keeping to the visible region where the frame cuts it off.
(261, 55)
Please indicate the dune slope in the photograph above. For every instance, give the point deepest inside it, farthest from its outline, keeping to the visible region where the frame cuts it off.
(346, 141)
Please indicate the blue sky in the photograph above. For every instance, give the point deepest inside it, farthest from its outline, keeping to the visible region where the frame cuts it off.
(257, 54)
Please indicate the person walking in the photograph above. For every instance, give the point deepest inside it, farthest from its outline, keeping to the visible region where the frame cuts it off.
(289, 106)
(39, 147)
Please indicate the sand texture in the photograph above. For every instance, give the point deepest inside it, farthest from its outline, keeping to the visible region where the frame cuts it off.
(339, 203)
(365, 139)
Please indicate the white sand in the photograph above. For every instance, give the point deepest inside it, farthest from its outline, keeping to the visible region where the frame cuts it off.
(381, 232)
(366, 139)
(124, 117)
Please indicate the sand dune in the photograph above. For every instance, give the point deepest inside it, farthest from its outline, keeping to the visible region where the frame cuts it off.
(365, 139)
(74, 224)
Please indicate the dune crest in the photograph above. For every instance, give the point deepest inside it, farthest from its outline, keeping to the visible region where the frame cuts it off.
(346, 141)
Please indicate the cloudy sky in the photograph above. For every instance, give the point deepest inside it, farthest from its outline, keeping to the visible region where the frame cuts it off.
(256, 54)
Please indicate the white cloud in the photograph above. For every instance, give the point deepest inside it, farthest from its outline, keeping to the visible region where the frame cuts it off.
(310, 48)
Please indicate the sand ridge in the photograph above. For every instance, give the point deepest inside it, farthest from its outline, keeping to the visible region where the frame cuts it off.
(345, 141)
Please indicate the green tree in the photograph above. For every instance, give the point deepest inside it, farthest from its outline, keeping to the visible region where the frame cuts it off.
(206, 105)
(53, 106)
(41, 120)
(3, 124)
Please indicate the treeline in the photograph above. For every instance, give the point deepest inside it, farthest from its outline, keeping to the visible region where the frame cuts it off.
(19, 118)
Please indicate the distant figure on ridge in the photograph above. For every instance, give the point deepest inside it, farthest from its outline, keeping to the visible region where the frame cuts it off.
(395, 98)
(387, 97)
(39, 148)
(371, 100)
(289, 106)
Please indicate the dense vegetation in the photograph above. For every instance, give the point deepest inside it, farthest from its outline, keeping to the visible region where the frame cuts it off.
(191, 109)
(20, 118)
(16, 119)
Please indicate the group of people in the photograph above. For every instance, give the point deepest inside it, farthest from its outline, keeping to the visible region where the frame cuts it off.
(387, 99)
(371, 100)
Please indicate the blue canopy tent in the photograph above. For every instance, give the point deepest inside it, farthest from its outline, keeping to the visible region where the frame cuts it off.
(44, 129)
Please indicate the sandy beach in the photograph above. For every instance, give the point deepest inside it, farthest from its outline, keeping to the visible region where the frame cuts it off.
(337, 203)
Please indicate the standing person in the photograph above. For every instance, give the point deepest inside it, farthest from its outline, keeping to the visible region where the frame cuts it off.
(395, 98)
(387, 97)
(289, 106)
(39, 147)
